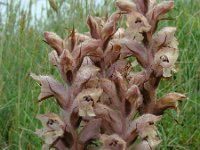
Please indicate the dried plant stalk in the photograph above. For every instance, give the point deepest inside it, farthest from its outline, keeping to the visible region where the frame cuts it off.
(103, 95)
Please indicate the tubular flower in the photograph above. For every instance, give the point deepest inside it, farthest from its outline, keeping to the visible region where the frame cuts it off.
(53, 128)
(87, 99)
(112, 142)
(167, 50)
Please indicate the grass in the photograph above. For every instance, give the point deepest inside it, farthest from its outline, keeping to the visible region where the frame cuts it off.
(22, 51)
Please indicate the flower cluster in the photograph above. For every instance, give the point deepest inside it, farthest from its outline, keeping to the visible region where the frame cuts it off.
(103, 94)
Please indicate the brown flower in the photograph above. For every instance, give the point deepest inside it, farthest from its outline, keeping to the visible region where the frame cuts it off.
(53, 127)
(112, 142)
(87, 99)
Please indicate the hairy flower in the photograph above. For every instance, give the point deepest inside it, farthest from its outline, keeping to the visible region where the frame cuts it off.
(54, 41)
(51, 87)
(166, 50)
(87, 99)
(53, 127)
(170, 100)
(166, 58)
(112, 142)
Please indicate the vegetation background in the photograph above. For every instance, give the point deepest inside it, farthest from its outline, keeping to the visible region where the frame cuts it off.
(22, 51)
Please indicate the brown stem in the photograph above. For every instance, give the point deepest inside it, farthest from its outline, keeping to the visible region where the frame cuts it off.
(149, 94)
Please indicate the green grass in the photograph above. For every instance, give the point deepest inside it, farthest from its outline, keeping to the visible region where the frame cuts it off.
(22, 51)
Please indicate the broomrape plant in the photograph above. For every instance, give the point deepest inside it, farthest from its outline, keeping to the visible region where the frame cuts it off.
(103, 96)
